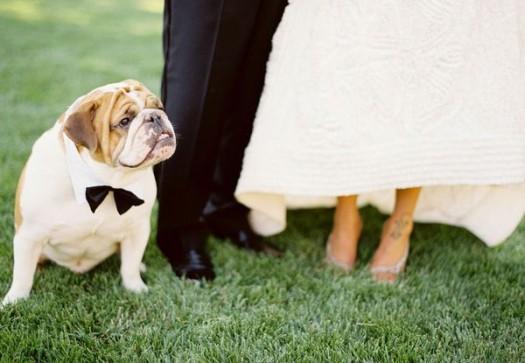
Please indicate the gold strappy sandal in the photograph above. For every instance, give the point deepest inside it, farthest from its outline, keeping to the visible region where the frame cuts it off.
(331, 260)
(381, 272)
(394, 270)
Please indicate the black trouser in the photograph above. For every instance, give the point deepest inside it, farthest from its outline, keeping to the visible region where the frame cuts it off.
(215, 61)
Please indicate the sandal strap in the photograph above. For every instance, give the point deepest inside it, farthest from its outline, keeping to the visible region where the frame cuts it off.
(394, 269)
(330, 259)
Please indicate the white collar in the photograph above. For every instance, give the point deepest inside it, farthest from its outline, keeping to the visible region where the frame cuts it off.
(85, 172)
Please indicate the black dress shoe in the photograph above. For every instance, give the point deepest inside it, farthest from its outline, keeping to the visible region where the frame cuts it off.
(239, 232)
(248, 240)
(185, 249)
(193, 264)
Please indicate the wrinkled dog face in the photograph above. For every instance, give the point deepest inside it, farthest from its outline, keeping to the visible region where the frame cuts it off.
(121, 124)
(149, 138)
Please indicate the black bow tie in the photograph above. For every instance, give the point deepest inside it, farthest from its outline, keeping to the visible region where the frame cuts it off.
(124, 199)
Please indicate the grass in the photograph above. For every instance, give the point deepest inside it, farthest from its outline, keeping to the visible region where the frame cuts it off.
(458, 301)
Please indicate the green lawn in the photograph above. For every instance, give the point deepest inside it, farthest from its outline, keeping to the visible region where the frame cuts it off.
(458, 301)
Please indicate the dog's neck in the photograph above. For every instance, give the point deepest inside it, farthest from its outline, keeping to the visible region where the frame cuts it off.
(116, 176)
(85, 172)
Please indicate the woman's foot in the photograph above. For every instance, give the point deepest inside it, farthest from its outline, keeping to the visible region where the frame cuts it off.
(341, 247)
(390, 257)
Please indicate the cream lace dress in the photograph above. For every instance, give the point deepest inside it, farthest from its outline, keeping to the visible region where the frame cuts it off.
(365, 96)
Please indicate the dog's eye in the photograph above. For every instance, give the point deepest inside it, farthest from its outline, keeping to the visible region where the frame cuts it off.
(124, 122)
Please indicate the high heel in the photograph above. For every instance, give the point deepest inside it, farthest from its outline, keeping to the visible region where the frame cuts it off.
(331, 260)
(390, 273)
(380, 272)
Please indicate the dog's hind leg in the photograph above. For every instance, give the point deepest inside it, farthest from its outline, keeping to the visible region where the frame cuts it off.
(42, 259)
(27, 251)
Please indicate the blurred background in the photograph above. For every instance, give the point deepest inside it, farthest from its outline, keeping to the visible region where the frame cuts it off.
(53, 51)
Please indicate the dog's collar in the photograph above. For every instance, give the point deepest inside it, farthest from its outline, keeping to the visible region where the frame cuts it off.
(85, 173)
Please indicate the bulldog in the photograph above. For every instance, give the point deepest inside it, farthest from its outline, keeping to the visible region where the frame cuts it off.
(87, 189)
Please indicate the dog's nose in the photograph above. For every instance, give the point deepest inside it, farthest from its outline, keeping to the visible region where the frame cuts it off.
(154, 118)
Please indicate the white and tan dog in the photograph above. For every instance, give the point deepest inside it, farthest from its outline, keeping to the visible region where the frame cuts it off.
(106, 143)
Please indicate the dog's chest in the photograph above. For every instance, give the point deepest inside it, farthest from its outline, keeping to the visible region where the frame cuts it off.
(81, 239)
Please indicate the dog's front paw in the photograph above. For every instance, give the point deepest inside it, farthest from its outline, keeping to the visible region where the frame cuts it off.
(136, 285)
(12, 297)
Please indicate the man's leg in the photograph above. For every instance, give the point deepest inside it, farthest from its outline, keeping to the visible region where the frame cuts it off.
(223, 211)
(205, 42)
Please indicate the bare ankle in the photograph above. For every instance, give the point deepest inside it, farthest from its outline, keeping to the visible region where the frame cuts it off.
(399, 225)
(350, 227)
(344, 238)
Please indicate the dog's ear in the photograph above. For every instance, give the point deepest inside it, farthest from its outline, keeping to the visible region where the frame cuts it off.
(79, 126)
(133, 83)
(153, 101)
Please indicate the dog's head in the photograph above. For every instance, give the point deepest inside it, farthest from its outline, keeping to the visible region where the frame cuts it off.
(121, 124)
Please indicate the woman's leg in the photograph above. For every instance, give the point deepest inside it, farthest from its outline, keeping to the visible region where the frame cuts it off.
(390, 257)
(342, 244)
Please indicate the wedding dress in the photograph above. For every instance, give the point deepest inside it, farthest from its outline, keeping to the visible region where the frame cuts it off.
(365, 96)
